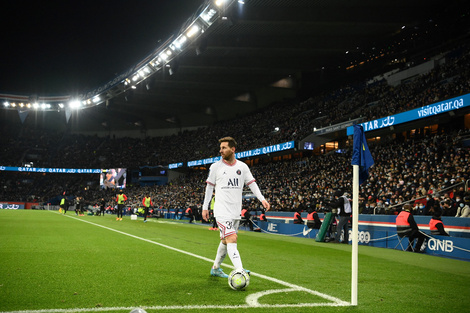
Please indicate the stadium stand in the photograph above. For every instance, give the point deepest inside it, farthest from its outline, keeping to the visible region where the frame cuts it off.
(407, 167)
(429, 161)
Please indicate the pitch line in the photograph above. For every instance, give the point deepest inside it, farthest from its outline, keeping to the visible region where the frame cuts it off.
(293, 286)
(251, 300)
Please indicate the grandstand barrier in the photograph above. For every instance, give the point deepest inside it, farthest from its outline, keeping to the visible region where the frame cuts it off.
(380, 231)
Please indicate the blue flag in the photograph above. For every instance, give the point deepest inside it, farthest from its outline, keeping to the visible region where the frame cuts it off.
(361, 154)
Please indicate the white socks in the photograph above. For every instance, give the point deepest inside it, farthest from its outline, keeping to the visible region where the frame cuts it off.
(221, 253)
(234, 255)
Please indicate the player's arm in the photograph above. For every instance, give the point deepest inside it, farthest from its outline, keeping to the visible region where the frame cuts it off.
(255, 190)
(207, 201)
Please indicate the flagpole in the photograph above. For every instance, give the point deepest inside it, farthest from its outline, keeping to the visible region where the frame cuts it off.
(355, 219)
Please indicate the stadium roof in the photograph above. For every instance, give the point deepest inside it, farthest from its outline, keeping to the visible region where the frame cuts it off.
(234, 66)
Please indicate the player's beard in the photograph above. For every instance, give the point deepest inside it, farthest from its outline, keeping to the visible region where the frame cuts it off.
(228, 156)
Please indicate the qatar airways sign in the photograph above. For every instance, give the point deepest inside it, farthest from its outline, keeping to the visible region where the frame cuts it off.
(249, 153)
(416, 114)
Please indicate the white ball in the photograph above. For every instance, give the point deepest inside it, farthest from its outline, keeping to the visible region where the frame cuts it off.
(138, 310)
(238, 279)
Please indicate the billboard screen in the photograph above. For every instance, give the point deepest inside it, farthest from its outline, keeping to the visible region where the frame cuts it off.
(113, 178)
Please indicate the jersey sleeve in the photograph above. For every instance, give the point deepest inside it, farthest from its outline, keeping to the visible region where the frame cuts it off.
(248, 179)
(211, 177)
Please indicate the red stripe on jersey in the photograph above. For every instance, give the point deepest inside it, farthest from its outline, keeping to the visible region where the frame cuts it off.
(251, 181)
(210, 183)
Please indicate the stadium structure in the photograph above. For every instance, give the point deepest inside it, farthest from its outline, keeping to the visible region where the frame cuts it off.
(235, 59)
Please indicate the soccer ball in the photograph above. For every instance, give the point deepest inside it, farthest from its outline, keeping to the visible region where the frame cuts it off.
(238, 279)
(138, 310)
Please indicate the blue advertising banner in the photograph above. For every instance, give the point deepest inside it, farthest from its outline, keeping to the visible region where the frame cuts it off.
(416, 114)
(51, 170)
(11, 206)
(175, 165)
(246, 154)
(380, 231)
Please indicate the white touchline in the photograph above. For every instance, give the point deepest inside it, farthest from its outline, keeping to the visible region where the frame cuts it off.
(251, 300)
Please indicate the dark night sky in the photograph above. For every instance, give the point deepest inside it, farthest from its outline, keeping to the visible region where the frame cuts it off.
(65, 47)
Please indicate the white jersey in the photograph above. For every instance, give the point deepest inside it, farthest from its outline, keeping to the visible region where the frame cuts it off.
(229, 180)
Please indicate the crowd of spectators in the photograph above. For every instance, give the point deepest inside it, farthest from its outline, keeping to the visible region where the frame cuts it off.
(423, 166)
(294, 119)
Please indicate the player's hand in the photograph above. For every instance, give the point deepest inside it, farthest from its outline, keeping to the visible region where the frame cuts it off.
(266, 205)
(205, 215)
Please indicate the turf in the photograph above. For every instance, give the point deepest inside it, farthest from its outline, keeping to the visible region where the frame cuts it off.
(64, 263)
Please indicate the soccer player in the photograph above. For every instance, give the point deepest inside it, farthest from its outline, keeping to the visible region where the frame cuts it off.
(228, 176)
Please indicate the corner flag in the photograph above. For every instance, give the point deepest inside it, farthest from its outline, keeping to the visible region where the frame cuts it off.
(361, 154)
(361, 161)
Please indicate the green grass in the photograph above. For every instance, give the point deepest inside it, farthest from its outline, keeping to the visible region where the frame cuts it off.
(53, 262)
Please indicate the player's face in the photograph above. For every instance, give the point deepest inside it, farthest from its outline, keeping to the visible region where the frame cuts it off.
(226, 152)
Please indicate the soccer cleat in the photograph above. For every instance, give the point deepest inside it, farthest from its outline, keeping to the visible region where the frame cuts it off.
(117, 218)
(120, 219)
(218, 272)
(145, 221)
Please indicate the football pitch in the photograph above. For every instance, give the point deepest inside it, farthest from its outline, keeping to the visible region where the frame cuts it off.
(50, 262)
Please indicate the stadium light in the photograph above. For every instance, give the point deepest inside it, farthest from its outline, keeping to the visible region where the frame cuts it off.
(193, 30)
(220, 2)
(207, 16)
(163, 56)
(75, 104)
(180, 41)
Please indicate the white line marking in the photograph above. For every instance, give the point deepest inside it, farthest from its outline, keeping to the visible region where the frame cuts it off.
(251, 300)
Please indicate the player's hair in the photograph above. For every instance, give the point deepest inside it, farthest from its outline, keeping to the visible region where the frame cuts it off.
(231, 142)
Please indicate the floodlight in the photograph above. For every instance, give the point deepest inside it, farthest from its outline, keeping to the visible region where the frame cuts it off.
(193, 30)
(96, 99)
(180, 41)
(43, 106)
(13, 105)
(163, 56)
(21, 104)
(35, 105)
(6, 104)
(75, 104)
(220, 2)
(28, 105)
(61, 105)
(207, 16)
